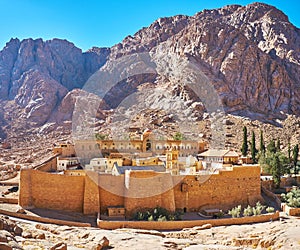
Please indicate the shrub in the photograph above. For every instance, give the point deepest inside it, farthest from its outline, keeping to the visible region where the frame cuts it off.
(162, 218)
(270, 209)
(248, 211)
(292, 198)
(156, 214)
(150, 218)
(220, 214)
(235, 212)
(258, 208)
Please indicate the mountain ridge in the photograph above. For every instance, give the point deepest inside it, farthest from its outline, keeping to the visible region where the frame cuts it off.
(248, 53)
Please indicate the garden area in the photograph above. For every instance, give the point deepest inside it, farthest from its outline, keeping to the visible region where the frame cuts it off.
(291, 202)
(162, 214)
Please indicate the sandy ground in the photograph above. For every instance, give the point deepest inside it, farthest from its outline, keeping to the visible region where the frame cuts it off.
(282, 234)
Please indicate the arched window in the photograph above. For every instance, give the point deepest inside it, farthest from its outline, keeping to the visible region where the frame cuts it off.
(148, 145)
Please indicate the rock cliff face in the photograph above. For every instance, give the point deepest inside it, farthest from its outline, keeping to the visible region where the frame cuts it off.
(37, 75)
(249, 54)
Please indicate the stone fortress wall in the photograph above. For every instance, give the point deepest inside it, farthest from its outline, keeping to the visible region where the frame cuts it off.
(90, 193)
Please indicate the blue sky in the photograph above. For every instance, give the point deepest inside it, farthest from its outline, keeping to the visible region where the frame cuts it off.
(102, 23)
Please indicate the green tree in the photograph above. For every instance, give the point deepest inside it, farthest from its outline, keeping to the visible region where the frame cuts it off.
(295, 158)
(178, 136)
(289, 157)
(245, 143)
(262, 143)
(278, 145)
(289, 152)
(276, 170)
(271, 146)
(275, 163)
(100, 137)
(253, 148)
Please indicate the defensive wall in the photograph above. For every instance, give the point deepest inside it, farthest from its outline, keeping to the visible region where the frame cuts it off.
(285, 182)
(49, 165)
(90, 193)
(58, 191)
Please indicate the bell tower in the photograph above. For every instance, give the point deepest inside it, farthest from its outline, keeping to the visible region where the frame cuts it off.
(172, 162)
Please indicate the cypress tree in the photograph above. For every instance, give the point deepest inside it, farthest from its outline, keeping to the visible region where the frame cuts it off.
(278, 145)
(253, 148)
(276, 171)
(289, 157)
(295, 157)
(271, 146)
(262, 143)
(245, 143)
(289, 152)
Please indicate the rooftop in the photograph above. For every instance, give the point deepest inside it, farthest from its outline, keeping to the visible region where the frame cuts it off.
(156, 168)
(219, 153)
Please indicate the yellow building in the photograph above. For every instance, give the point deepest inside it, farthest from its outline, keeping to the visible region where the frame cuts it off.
(65, 150)
(88, 149)
(172, 162)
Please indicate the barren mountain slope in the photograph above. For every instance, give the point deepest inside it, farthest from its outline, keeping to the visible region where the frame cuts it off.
(243, 59)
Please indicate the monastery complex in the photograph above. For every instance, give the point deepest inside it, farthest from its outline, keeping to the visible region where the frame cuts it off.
(122, 177)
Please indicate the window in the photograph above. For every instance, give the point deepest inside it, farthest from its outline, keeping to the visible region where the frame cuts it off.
(148, 145)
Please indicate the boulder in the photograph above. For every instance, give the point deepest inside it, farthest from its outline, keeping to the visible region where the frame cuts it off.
(5, 246)
(27, 235)
(103, 244)
(59, 246)
(17, 230)
(205, 226)
(39, 236)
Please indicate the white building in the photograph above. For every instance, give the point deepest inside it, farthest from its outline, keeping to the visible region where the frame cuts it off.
(65, 163)
(97, 164)
(216, 158)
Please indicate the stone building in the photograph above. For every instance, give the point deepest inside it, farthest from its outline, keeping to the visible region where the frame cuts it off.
(88, 149)
(216, 158)
(65, 163)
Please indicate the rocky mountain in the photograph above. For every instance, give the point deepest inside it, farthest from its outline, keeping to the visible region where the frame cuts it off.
(37, 75)
(250, 54)
(248, 57)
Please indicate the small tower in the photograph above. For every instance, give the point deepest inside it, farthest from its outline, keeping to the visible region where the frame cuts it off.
(172, 161)
(146, 140)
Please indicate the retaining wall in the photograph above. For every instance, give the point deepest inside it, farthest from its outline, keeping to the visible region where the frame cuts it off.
(178, 225)
(45, 220)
